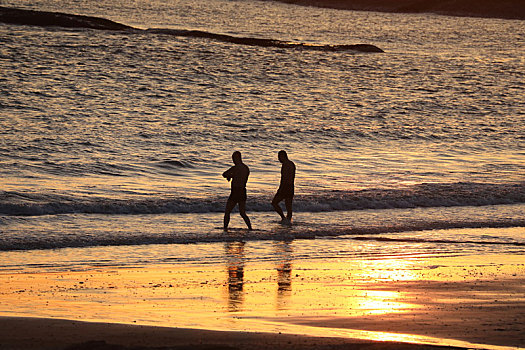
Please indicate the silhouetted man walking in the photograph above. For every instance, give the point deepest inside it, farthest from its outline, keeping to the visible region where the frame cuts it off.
(238, 174)
(286, 188)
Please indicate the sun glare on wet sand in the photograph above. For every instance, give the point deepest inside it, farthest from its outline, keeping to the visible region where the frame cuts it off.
(391, 299)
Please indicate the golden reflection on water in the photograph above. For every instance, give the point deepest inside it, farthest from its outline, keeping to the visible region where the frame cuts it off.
(389, 270)
(322, 290)
(286, 294)
(284, 254)
(374, 302)
(235, 281)
(235, 267)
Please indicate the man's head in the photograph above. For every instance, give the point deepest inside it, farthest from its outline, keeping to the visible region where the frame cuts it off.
(236, 156)
(282, 156)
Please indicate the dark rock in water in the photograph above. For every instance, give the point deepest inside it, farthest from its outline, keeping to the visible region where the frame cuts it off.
(261, 42)
(57, 19)
(336, 48)
(358, 47)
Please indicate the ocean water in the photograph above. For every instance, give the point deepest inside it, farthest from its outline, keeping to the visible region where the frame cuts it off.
(119, 138)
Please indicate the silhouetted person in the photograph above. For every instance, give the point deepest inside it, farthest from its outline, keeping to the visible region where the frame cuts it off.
(238, 174)
(286, 188)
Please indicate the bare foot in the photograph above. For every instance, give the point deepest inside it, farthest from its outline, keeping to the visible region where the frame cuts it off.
(286, 222)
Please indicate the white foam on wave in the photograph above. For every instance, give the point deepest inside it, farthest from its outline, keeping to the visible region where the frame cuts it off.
(113, 232)
(423, 195)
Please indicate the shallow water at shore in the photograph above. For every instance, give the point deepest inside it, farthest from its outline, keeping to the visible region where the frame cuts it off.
(393, 232)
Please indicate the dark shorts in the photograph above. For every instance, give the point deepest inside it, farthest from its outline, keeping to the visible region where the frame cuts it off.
(238, 194)
(285, 191)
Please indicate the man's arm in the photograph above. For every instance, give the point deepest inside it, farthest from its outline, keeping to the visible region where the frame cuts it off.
(228, 174)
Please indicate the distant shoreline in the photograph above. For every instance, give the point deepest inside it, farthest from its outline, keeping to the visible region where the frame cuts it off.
(503, 9)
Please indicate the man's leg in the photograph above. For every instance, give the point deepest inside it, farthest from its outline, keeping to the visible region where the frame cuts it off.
(242, 211)
(288, 203)
(276, 206)
(229, 207)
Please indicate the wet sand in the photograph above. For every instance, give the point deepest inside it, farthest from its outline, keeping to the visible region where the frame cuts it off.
(453, 301)
(34, 333)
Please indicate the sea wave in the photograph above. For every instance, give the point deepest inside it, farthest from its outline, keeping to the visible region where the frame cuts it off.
(59, 19)
(174, 164)
(82, 239)
(422, 195)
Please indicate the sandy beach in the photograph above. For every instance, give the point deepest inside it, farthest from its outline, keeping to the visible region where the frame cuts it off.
(74, 335)
(471, 302)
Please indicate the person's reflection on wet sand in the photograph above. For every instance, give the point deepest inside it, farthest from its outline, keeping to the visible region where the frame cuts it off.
(284, 273)
(235, 265)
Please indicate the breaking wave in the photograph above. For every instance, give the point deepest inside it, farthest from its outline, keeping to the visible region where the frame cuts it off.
(59, 19)
(82, 238)
(423, 195)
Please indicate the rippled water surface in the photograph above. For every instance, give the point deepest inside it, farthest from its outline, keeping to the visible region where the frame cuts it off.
(96, 122)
